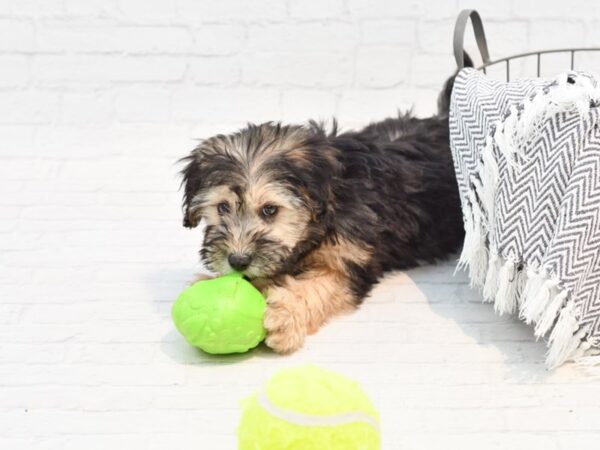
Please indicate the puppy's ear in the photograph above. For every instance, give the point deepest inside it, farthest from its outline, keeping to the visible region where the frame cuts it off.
(191, 183)
(317, 173)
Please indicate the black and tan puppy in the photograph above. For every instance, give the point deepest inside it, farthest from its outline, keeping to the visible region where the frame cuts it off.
(314, 219)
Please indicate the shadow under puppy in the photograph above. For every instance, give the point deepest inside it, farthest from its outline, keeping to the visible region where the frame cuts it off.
(314, 218)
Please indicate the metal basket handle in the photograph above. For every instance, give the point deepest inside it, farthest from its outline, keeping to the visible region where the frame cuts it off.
(459, 36)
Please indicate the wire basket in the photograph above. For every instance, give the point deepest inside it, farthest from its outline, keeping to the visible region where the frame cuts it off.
(459, 52)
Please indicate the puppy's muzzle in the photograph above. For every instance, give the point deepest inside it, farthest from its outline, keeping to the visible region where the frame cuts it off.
(239, 261)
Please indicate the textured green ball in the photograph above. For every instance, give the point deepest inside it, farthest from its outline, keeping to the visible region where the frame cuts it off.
(309, 408)
(222, 315)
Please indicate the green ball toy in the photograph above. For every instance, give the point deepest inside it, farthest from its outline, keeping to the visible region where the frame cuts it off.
(309, 408)
(221, 315)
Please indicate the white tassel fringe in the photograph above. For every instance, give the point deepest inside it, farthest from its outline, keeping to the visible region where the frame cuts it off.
(506, 295)
(548, 317)
(564, 339)
(539, 301)
(537, 297)
(474, 253)
(490, 286)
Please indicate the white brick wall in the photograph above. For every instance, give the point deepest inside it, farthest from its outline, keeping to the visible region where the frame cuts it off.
(100, 97)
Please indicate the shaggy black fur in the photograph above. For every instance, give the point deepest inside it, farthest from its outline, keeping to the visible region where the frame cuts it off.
(389, 188)
(397, 193)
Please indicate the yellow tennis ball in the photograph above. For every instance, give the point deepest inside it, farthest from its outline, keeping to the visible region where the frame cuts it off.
(309, 408)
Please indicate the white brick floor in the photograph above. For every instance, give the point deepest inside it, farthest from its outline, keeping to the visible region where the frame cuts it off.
(109, 371)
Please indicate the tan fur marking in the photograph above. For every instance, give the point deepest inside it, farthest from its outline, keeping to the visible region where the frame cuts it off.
(207, 203)
(301, 305)
(283, 143)
(332, 256)
(300, 156)
(288, 226)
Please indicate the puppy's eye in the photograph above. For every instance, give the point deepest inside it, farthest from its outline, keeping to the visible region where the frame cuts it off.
(223, 208)
(269, 210)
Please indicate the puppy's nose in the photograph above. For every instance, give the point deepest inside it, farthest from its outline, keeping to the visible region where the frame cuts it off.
(239, 261)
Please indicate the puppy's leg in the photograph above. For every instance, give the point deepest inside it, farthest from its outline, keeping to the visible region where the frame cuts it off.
(299, 306)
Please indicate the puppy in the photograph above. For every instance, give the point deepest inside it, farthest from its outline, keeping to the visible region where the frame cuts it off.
(314, 218)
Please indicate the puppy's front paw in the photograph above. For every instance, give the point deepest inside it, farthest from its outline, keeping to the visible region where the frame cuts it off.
(285, 327)
(284, 334)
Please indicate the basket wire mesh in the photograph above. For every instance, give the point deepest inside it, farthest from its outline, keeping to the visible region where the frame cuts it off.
(473, 15)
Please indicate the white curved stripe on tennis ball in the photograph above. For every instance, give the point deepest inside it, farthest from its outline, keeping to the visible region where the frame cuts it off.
(308, 420)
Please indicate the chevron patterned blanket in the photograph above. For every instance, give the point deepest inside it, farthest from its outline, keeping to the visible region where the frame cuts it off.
(527, 161)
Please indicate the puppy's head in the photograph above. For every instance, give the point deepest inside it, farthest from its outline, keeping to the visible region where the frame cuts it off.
(264, 194)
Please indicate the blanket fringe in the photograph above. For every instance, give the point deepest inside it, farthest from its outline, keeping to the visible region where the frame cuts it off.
(490, 286)
(474, 253)
(539, 300)
(506, 295)
(505, 278)
(521, 282)
(536, 296)
(463, 260)
(523, 125)
(565, 338)
(548, 317)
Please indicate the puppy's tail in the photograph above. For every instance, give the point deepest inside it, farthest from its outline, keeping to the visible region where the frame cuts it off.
(444, 97)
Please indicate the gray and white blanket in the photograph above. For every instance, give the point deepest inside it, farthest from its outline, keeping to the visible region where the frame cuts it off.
(527, 161)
